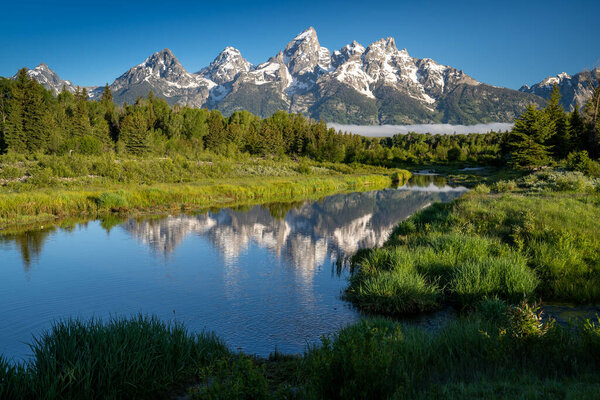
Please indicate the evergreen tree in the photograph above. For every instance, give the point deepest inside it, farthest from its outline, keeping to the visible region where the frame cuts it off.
(577, 129)
(14, 136)
(525, 144)
(81, 118)
(35, 118)
(591, 113)
(560, 139)
(134, 132)
(215, 138)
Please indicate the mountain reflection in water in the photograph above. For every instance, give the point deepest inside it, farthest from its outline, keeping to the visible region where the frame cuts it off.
(261, 277)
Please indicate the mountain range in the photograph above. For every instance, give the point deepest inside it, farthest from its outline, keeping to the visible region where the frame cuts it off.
(377, 84)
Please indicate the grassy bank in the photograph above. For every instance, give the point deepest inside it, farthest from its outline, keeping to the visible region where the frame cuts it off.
(536, 237)
(496, 352)
(134, 186)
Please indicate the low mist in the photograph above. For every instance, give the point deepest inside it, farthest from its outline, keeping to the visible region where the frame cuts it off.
(446, 129)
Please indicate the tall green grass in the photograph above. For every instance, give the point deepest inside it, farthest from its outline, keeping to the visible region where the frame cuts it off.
(48, 204)
(541, 241)
(429, 270)
(138, 358)
(472, 357)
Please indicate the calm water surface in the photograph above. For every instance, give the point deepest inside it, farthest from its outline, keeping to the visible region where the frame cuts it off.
(260, 277)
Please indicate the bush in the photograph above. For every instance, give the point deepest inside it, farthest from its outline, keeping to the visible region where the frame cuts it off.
(481, 188)
(505, 186)
(108, 200)
(360, 362)
(580, 161)
(237, 379)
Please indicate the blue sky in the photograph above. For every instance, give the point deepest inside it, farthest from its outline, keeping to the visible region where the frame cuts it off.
(498, 42)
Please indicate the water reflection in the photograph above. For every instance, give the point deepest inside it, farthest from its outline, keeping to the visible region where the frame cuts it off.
(305, 235)
(259, 276)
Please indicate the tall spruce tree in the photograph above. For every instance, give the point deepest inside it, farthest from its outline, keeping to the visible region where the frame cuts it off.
(35, 120)
(14, 136)
(81, 118)
(577, 129)
(134, 132)
(560, 139)
(525, 144)
(591, 117)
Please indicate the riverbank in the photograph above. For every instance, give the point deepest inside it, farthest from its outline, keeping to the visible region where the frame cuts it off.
(535, 237)
(496, 352)
(51, 194)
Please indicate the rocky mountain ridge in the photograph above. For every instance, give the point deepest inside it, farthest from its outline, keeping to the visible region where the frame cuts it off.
(377, 84)
(575, 89)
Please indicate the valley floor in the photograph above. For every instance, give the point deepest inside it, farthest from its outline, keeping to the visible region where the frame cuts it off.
(490, 255)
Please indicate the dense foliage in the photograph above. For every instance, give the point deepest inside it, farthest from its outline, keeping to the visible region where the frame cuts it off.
(541, 136)
(33, 121)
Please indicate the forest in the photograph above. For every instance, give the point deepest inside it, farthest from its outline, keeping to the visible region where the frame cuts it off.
(33, 121)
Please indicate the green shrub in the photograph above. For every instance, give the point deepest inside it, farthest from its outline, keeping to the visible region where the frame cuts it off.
(580, 161)
(360, 362)
(109, 200)
(238, 378)
(505, 186)
(481, 188)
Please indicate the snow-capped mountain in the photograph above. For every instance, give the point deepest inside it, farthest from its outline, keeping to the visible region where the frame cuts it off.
(166, 77)
(355, 84)
(574, 89)
(50, 79)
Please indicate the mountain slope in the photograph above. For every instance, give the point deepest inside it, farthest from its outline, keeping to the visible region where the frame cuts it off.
(376, 84)
(577, 88)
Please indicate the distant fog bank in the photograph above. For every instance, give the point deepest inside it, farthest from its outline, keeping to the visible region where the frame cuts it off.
(391, 130)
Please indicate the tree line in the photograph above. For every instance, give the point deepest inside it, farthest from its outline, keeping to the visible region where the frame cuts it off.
(541, 137)
(32, 120)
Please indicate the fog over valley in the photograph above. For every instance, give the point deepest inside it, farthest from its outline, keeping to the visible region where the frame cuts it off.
(391, 130)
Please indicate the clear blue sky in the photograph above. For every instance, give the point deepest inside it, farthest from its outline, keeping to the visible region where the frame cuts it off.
(502, 43)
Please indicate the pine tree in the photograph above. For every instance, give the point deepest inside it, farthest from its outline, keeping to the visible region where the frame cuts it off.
(216, 131)
(591, 114)
(14, 136)
(35, 118)
(525, 144)
(577, 129)
(134, 132)
(81, 118)
(560, 139)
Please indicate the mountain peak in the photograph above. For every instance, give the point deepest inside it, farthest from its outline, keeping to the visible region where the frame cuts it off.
(226, 66)
(304, 53)
(43, 66)
(306, 34)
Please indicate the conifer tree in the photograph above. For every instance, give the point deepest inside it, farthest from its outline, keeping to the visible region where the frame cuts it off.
(35, 118)
(216, 131)
(134, 132)
(525, 144)
(577, 129)
(560, 139)
(591, 117)
(81, 118)
(14, 136)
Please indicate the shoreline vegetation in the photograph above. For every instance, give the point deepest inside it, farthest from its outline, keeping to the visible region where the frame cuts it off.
(44, 204)
(527, 232)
